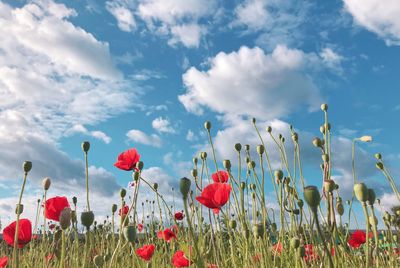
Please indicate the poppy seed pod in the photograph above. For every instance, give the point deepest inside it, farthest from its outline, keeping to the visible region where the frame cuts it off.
(312, 197)
(379, 165)
(184, 186)
(195, 160)
(324, 107)
(253, 120)
(300, 203)
(130, 233)
(295, 137)
(122, 192)
(85, 146)
(247, 147)
(238, 147)
(194, 173)
(361, 192)
(227, 164)
(46, 182)
(295, 242)
(114, 208)
(19, 209)
(87, 218)
(317, 142)
(278, 174)
(232, 224)
(207, 125)
(155, 186)
(65, 218)
(253, 186)
(242, 185)
(258, 230)
(98, 261)
(140, 165)
(269, 129)
(74, 200)
(251, 164)
(329, 186)
(203, 155)
(27, 166)
(378, 156)
(340, 208)
(260, 149)
(371, 196)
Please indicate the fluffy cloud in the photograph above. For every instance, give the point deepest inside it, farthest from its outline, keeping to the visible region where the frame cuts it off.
(139, 136)
(162, 125)
(379, 17)
(257, 79)
(95, 133)
(124, 17)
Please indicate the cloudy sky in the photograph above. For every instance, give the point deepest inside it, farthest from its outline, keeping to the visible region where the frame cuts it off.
(148, 73)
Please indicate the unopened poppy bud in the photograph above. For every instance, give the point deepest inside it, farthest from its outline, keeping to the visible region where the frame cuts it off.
(232, 224)
(253, 120)
(260, 149)
(366, 139)
(329, 186)
(324, 107)
(207, 125)
(195, 160)
(73, 216)
(325, 158)
(65, 218)
(27, 166)
(194, 173)
(258, 230)
(361, 192)
(253, 186)
(46, 182)
(247, 147)
(19, 209)
(74, 200)
(203, 155)
(130, 233)
(340, 208)
(322, 129)
(278, 174)
(371, 196)
(114, 208)
(155, 186)
(227, 164)
(185, 187)
(122, 193)
(238, 147)
(98, 261)
(269, 129)
(300, 203)
(378, 156)
(87, 218)
(140, 165)
(373, 220)
(312, 197)
(85, 146)
(379, 165)
(317, 142)
(295, 242)
(295, 137)
(242, 185)
(251, 164)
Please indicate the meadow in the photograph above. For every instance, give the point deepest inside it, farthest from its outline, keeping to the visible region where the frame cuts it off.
(225, 221)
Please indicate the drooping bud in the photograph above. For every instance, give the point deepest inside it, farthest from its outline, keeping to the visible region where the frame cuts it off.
(242, 185)
(295, 137)
(195, 160)
(317, 142)
(227, 164)
(19, 209)
(247, 147)
(251, 164)
(122, 193)
(65, 218)
(340, 208)
(312, 197)
(185, 187)
(155, 186)
(85, 146)
(203, 155)
(238, 147)
(46, 182)
(27, 166)
(260, 149)
(114, 208)
(269, 129)
(378, 156)
(300, 203)
(207, 125)
(278, 174)
(324, 107)
(140, 165)
(87, 218)
(361, 192)
(379, 165)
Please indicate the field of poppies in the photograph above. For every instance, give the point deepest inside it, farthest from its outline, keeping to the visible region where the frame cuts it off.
(225, 220)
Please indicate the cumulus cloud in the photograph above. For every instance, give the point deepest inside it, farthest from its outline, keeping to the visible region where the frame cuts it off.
(162, 125)
(379, 17)
(139, 136)
(124, 16)
(95, 133)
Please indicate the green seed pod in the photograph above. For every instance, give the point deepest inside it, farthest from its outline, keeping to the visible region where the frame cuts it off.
(247, 160)
(387, 216)
(269, 129)
(361, 192)
(122, 193)
(203, 155)
(324, 107)
(65, 218)
(185, 187)
(295, 137)
(379, 165)
(258, 230)
(253, 186)
(260, 149)
(227, 164)
(130, 233)
(322, 129)
(378, 156)
(232, 224)
(251, 164)
(295, 242)
(98, 261)
(312, 197)
(46, 182)
(247, 147)
(238, 147)
(155, 186)
(19, 209)
(278, 174)
(340, 208)
(371, 196)
(300, 203)
(87, 218)
(207, 125)
(195, 160)
(329, 186)
(140, 165)
(27, 166)
(85, 146)
(114, 208)
(242, 185)
(194, 173)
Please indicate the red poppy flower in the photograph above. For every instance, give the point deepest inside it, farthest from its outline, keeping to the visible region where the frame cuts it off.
(3, 261)
(54, 206)
(178, 216)
(167, 234)
(257, 258)
(277, 248)
(310, 254)
(220, 176)
(123, 211)
(357, 239)
(50, 256)
(215, 195)
(180, 260)
(35, 237)
(24, 233)
(140, 227)
(146, 252)
(52, 226)
(127, 160)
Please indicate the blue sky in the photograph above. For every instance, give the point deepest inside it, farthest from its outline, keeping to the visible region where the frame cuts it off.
(148, 73)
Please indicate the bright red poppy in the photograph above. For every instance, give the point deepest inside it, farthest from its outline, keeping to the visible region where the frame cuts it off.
(167, 234)
(24, 233)
(215, 196)
(54, 206)
(127, 160)
(180, 260)
(123, 211)
(310, 254)
(3, 261)
(277, 248)
(357, 239)
(50, 257)
(146, 252)
(220, 176)
(140, 227)
(178, 216)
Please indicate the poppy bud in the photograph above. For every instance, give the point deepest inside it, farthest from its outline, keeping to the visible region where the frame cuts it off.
(340, 208)
(65, 218)
(253, 120)
(260, 149)
(300, 203)
(114, 208)
(317, 142)
(373, 220)
(19, 209)
(295, 242)
(140, 165)
(378, 156)
(98, 261)
(322, 129)
(371, 196)
(278, 174)
(85, 146)
(251, 164)
(269, 129)
(27, 166)
(185, 187)
(136, 176)
(325, 158)
(242, 185)
(195, 160)
(46, 183)
(122, 192)
(361, 192)
(203, 155)
(324, 107)
(253, 186)
(329, 186)
(87, 218)
(258, 230)
(207, 125)
(130, 233)
(232, 224)
(295, 137)
(379, 165)
(227, 164)
(312, 197)
(238, 147)
(155, 186)
(247, 147)
(194, 173)
(74, 200)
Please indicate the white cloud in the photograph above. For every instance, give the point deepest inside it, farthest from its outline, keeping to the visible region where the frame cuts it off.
(267, 85)
(163, 125)
(379, 17)
(187, 34)
(95, 133)
(124, 16)
(332, 59)
(138, 136)
(190, 136)
(389, 200)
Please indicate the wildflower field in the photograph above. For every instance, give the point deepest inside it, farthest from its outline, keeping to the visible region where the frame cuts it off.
(226, 221)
